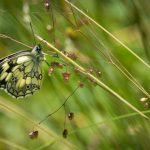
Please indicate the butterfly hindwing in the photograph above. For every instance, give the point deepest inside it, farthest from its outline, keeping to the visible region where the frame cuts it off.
(20, 74)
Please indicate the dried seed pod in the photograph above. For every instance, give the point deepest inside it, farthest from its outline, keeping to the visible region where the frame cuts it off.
(90, 71)
(80, 84)
(47, 4)
(33, 134)
(61, 66)
(66, 75)
(72, 55)
(65, 133)
(50, 71)
(99, 73)
(49, 28)
(54, 64)
(76, 69)
(70, 115)
(145, 102)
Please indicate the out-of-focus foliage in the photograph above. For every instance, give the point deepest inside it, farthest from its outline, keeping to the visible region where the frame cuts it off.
(100, 120)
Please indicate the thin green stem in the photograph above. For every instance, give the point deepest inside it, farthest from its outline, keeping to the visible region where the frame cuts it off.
(12, 39)
(125, 116)
(12, 145)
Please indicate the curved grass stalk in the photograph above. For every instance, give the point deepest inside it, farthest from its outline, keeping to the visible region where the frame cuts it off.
(110, 34)
(13, 109)
(114, 61)
(12, 39)
(111, 58)
(92, 77)
(13, 145)
(111, 119)
(127, 74)
(8, 107)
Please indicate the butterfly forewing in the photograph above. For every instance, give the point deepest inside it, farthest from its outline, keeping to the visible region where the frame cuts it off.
(21, 73)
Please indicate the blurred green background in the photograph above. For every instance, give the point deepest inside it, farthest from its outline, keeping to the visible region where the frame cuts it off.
(101, 121)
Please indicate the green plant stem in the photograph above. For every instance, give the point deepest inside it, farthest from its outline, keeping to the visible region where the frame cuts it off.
(110, 34)
(125, 116)
(12, 39)
(8, 107)
(92, 77)
(12, 145)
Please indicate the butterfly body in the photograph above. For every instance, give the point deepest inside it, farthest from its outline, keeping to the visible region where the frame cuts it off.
(21, 72)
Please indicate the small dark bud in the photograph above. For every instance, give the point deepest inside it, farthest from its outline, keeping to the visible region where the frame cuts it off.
(144, 101)
(73, 56)
(33, 134)
(47, 4)
(81, 85)
(66, 75)
(50, 71)
(61, 66)
(99, 73)
(65, 133)
(55, 64)
(70, 115)
(76, 69)
(91, 71)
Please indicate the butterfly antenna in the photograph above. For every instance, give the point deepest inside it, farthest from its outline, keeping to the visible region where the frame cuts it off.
(33, 34)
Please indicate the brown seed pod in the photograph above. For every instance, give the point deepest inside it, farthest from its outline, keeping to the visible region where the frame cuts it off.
(72, 55)
(70, 115)
(66, 75)
(61, 66)
(50, 71)
(76, 70)
(80, 84)
(90, 71)
(47, 4)
(54, 64)
(99, 73)
(65, 133)
(145, 102)
(33, 134)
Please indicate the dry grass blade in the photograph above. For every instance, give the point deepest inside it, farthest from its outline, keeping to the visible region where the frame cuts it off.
(110, 34)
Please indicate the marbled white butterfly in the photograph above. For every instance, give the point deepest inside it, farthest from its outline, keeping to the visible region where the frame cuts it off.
(21, 72)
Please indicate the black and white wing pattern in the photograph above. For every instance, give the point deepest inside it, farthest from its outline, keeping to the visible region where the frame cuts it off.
(21, 72)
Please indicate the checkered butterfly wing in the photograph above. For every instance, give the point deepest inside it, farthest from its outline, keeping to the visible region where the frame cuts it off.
(21, 72)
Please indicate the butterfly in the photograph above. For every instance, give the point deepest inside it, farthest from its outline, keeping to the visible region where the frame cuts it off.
(21, 72)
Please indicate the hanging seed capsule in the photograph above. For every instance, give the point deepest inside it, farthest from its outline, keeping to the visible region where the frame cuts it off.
(55, 64)
(76, 70)
(144, 101)
(91, 71)
(33, 134)
(49, 28)
(80, 84)
(70, 115)
(47, 4)
(50, 71)
(66, 75)
(72, 55)
(61, 66)
(99, 73)
(65, 133)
